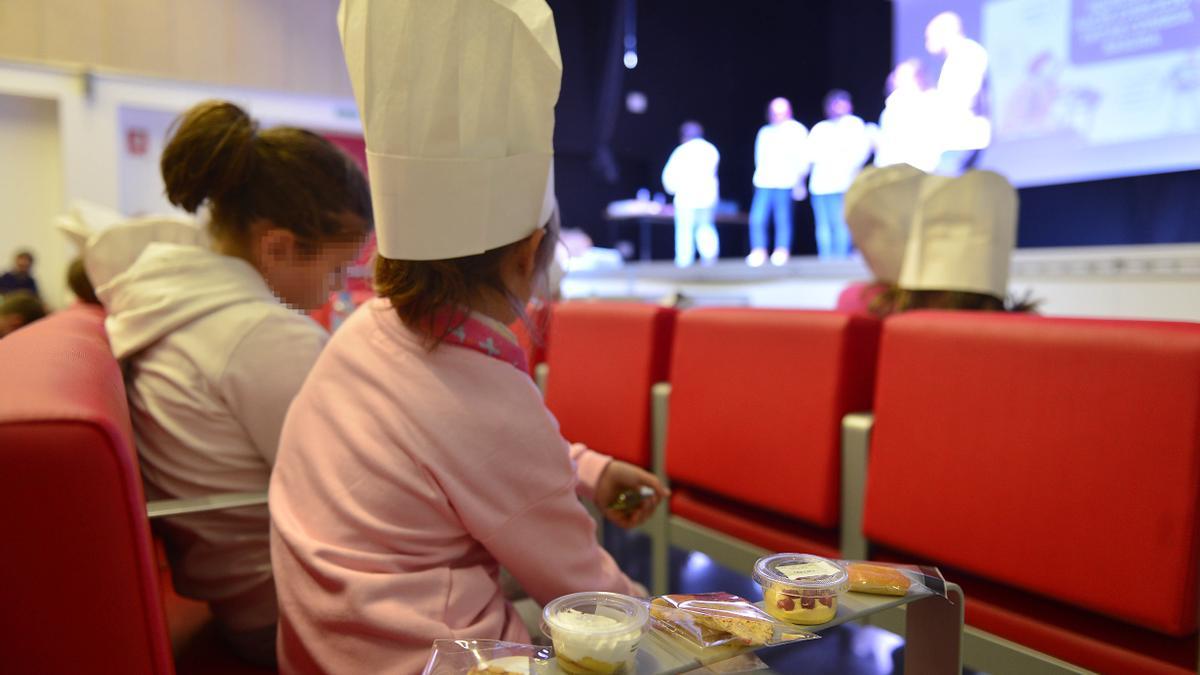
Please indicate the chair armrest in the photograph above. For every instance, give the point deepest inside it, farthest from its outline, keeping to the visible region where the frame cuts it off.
(165, 508)
(856, 441)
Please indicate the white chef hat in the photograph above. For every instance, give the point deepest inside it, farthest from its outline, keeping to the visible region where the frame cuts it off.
(457, 101)
(114, 250)
(962, 235)
(879, 211)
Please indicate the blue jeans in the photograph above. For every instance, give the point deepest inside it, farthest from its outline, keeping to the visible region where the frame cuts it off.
(833, 237)
(694, 229)
(779, 202)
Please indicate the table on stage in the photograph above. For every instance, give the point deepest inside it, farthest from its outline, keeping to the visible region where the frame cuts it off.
(933, 634)
(647, 215)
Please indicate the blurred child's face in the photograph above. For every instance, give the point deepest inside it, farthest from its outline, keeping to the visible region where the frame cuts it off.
(302, 277)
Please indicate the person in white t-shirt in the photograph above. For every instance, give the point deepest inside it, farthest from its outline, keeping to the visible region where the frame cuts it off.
(781, 163)
(839, 147)
(962, 129)
(908, 132)
(691, 176)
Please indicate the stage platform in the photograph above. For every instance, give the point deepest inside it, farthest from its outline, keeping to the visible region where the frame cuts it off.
(1146, 282)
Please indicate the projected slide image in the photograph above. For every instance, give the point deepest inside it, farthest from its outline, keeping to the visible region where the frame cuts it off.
(1076, 89)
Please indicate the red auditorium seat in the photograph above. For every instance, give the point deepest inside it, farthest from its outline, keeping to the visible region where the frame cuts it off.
(80, 583)
(1052, 468)
(604, 358)
(757, 399)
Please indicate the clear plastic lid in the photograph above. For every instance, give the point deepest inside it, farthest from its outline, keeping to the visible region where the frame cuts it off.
(801, 572)
(622, 614)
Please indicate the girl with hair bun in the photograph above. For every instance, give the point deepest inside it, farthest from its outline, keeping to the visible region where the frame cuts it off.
(215, 349)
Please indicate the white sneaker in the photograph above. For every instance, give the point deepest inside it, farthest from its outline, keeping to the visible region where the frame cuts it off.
(757, 257)
(780, 257)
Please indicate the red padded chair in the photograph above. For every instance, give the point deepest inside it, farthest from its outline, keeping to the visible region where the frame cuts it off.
(757, 398)
(1052, 468)
(603, 360)
(80, 583)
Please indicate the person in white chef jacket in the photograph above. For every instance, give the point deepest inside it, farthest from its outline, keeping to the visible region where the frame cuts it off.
(839, 146)
(781, 162)
(691, 176)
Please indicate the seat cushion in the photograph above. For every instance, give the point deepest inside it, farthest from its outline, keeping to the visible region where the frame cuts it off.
(757, 400)
(770, 531)
(1058, 456)
(604, 358)
(1089, 640)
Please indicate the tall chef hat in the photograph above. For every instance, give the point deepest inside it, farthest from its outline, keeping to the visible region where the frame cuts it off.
(962, 235)
(879, 210)
(457, 102)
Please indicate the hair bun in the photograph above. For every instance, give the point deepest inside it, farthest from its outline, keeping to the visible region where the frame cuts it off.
(210, 154)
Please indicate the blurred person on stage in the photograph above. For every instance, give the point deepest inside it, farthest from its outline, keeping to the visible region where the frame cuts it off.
(963, 129)
(907, 131)
(20, 277)
(839, 147)
(691, 176)
(781, 164)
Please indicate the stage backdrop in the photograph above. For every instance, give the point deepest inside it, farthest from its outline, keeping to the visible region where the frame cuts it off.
(720, 62)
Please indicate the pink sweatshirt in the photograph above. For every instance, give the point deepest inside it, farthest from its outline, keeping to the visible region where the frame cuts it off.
(405, 479)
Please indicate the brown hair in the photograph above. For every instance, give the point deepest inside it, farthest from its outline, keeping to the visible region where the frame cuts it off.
(894, 300)
(291, 177)
(80, 285)
(24, 304)
(421, 289)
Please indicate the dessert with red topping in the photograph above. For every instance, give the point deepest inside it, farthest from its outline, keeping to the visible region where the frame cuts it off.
(799, 588)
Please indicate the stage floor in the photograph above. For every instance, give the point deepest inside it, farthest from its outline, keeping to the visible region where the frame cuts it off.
(1149, 282)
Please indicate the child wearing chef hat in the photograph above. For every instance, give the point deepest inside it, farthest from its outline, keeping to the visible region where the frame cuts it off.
(935, 242)
(419, 458)
(879, 208)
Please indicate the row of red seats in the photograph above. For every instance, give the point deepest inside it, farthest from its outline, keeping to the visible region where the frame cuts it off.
(84, 589)
(1050, 466)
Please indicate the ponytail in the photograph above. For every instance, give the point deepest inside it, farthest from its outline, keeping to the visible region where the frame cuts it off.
(291, 177)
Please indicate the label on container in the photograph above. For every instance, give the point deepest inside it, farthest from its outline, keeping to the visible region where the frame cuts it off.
(816, 568)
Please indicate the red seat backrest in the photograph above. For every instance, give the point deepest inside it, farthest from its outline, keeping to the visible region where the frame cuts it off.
(78, 579)
(757, 400)
(1061, 456)
(604, 358)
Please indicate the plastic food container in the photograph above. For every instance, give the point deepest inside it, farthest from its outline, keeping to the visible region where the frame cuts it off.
(595, 633)
(799, 588)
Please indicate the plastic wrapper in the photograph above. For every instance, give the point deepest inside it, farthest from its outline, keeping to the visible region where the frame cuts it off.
(879, 578)
(487, 657)
(720, 622)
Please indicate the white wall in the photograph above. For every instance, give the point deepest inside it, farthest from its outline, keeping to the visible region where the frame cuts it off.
(31, 190)
(140, 179)
(63, 138)
(284, 45)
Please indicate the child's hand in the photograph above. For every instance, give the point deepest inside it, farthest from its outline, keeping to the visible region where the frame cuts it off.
(620, 477)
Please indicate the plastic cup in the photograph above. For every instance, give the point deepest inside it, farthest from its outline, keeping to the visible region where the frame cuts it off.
(799, 588)
(595, 633)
